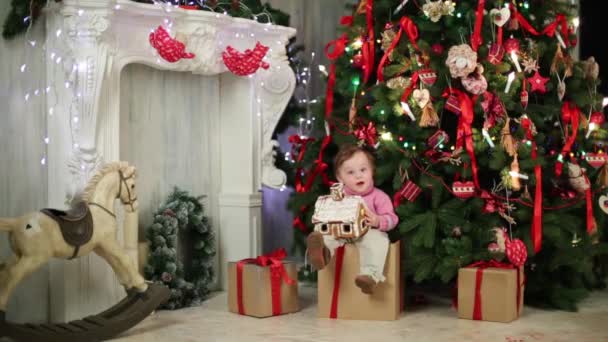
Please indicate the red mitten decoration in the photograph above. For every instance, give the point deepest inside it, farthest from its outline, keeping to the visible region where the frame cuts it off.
(245, 63)
(170, 49)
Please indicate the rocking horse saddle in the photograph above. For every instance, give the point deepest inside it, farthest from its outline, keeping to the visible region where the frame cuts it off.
(76, 224)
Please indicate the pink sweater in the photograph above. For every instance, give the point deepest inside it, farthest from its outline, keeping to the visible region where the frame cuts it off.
(379, 202)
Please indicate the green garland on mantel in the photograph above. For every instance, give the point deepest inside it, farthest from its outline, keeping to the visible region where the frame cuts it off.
(25, 12)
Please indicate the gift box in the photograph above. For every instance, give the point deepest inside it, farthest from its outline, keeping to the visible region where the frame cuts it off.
(263, 286)
(490, 291)
(339, 297)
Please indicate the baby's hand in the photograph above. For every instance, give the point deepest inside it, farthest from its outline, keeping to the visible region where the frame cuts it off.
(372, 219)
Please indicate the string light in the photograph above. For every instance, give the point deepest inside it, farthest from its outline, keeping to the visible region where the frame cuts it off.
(387, 136)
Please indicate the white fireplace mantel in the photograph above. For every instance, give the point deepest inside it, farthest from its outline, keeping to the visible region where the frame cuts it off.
(95, 40)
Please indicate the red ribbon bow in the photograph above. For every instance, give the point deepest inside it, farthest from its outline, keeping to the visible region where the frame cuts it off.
(465, 132)
(476, 38)
(367, 133)
(570, 114)
(560, 20)
(277, 273)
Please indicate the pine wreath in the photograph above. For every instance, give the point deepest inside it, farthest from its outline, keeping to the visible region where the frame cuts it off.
(180, 222)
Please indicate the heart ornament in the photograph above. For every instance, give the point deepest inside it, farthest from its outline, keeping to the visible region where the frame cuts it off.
(596, 160)
(463, 190)
(500, 16)
(604, 203)
(422, 97)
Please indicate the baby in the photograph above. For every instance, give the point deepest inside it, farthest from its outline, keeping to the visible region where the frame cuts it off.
(355, 169)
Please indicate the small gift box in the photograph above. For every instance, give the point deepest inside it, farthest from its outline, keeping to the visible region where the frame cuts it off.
(263, 286)
(490, 291)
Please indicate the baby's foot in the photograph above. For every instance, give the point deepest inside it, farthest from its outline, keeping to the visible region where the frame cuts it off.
(318, 254)
(365, 283)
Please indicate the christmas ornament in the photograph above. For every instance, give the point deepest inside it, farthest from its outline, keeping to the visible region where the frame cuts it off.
(561, 89)
(475, 83)
(456, 232)
(577, 179)
(247, 62)
(437, 48)
(463, 190)
(597, 118)
(493, 108)
(367, 134)
(427, 76)
(512, 45)
(422, 97)
(438, 138)
(507, 140)
(530, 65)
(409, 191)
(514, 249)
(514, 172)
(500, 16)
(562, 59)
(596, 160)
(387, 39)
(591, 69)
(429, 116)
(358, 60)
(523, 96)
(171, 50)
(352, 112)
(461, 61)
(452, 104)
(496, 53)
(399, 82)
(603, 202)
(436, 9)
(538, 83)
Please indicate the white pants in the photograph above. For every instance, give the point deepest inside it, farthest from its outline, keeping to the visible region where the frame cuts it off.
(373, 248)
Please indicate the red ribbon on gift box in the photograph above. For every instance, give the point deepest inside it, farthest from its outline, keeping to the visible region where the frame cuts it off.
(333, 313)
(481, 266)
(277, 273)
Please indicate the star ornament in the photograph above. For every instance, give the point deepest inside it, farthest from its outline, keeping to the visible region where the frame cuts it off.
(530, 65)
(538, 83)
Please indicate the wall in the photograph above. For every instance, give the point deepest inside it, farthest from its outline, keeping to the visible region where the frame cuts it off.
(22, 177)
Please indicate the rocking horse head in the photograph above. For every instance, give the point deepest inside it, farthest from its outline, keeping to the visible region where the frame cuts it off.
(113, 180)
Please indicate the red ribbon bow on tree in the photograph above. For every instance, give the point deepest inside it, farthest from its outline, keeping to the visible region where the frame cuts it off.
(367, 133)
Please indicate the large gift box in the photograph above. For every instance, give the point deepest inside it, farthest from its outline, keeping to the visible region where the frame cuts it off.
(263, 286)
(490, 291)
(339, 297)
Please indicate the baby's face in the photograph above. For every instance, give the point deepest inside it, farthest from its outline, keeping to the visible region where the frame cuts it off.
(356, 174)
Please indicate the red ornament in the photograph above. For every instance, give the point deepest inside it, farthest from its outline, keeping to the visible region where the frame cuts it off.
(410, 191)
(463, 190)
(367, 134)
(512, 45)
(358, 60)
(437, 49)
(427, 76)
(453, 104)
(597, 118)
(516, 252)
(438, 138)
(493, 107)
(596, 160)
(247, 62)
(523, 97)
(538, 83)
(171, 50)
(496, 54)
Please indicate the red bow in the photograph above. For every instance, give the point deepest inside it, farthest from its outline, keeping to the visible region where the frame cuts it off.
(367, 133)
(277, 272)
(560, 20)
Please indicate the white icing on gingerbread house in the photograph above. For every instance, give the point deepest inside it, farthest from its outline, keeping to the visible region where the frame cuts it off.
(340, 216)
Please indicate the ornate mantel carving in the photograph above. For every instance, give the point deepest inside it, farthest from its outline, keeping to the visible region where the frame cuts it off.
(100, 37)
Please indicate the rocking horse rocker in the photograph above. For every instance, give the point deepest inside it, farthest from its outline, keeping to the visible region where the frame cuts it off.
(89, 226)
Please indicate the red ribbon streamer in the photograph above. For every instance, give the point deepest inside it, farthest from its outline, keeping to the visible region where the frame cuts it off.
(333, 313)
(408, 90)
(277, 273)
(481, 266)
(368, 50)
(339, 45)
(476, 38)
(570, 114)
(346, 20)
(465, 133)
(522, 21)
(537, 224)
(412, 33)
(590, 219)
(560, 20)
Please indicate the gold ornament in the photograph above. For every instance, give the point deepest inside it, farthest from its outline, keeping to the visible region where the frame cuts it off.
(507, 140)
(429, 116)
(399, 82)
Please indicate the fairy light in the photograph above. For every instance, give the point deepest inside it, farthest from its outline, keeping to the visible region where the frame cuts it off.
(486, 136)
(560, 39)
(387, 136)
(605, 102)
(407, 110)
(23, 67)
(575, 23)
(515, 60)
(518, 175)
(357, 44)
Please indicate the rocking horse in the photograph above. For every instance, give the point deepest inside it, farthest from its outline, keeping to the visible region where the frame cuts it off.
(89, 226)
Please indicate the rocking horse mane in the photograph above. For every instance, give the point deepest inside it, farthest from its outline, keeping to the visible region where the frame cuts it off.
(89, 190)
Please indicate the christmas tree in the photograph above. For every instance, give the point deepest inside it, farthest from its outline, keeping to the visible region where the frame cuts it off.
(479, 117)
(181, 231)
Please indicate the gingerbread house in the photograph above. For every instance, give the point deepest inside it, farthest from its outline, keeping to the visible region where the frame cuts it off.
(339, 215)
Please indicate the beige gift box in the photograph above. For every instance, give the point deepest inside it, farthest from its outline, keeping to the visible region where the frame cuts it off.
(383, 305)
(257, 293)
